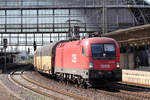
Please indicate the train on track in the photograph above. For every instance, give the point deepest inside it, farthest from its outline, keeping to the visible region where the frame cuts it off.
(94, 61)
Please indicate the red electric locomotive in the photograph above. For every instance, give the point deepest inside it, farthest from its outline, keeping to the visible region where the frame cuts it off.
(92, 60)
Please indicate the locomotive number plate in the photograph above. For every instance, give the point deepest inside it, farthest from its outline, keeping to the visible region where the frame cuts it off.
(105, 66)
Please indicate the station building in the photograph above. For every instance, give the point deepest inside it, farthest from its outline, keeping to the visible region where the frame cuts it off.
(23, 22)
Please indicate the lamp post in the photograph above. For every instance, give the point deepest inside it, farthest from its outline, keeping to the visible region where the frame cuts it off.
(104, 29)
(103, 16)
(5, 46)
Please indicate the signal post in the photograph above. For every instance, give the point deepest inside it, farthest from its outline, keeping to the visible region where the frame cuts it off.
(5, 46)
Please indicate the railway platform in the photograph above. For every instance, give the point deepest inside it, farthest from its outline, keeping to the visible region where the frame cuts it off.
(140, 76)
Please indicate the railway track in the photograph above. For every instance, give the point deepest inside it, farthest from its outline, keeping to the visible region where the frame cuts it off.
(127, 92)
(121, 95)
(44, 90)
(139, 92)
(124, 92)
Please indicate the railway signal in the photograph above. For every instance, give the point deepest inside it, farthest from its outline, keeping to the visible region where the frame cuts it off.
(28, 51)
(5, 43)
(77, 32)
(34, 45)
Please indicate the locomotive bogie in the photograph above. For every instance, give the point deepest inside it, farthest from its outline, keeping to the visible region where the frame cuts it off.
(96, 75)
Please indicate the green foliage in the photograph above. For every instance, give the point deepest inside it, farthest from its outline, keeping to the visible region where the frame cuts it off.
(29, 61)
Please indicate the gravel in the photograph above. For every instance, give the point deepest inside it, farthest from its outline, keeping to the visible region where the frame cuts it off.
(69, 88)
(22, 93)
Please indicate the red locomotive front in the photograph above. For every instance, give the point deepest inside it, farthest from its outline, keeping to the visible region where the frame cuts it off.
(96, 60)
(104, 60)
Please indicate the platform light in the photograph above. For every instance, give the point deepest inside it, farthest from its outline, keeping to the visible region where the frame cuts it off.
(131, 44)
(135, 44)
(147, 42)
(143, 43)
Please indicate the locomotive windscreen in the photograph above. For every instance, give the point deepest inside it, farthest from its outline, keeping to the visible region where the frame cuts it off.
(103, 51)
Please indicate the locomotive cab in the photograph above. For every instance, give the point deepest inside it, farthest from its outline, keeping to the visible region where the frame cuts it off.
(104, 61)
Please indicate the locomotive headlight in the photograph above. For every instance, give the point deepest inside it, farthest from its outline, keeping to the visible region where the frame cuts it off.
(90, 64)
(117, 64)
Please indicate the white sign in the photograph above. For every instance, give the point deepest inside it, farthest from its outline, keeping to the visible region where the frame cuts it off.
(105, 66)
(74, 58)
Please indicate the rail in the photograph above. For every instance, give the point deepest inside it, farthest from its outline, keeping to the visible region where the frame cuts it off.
(45, 87)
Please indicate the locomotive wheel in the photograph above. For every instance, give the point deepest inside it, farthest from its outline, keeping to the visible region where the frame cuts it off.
(87, 85)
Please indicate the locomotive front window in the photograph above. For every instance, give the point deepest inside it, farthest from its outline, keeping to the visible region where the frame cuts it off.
(109, 50)
(103, 51)
(97, 50)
